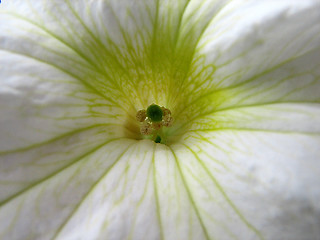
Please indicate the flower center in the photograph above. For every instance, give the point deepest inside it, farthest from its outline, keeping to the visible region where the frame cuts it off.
(152, 122)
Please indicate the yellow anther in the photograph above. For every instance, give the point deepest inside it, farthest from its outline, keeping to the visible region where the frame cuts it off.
(141, 115)
(157, 125)
(165, 111)
(167, 121)
(146, 128)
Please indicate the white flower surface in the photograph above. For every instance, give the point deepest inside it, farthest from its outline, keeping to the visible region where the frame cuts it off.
(241, 79)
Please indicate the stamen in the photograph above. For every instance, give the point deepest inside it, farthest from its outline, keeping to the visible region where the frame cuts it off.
(167, 121)
(153, 120)
(141, 115)
(165, 111)
(156, 125)
(146, 128)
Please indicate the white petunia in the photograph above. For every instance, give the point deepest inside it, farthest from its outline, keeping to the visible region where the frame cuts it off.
(241, 159)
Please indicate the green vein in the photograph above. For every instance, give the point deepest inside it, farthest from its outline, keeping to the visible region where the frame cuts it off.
(146, 186)
(178, 31)
(204, 28)
(232, 205)
(235, 108)
(156, 193)
(54, 173)
(249, 80)
(271, 69)
(190, 195)
(88, 86)
(254, 130)
(77, 207)
(263, 104)
(53, 139)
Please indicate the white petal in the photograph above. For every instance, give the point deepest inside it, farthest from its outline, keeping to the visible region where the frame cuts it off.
(39, 103)
(43, 93)
(286, 118)
(49, 118)
(40, 211)
(122, 204)
(179, 219)
(111, 189)
(255, 142)
(254, 184)
(261, 52)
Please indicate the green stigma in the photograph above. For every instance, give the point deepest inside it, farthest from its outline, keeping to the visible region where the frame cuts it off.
(154, 113)
(158, 139)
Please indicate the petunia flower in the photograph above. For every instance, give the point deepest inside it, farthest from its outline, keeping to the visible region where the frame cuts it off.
(232, 154)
